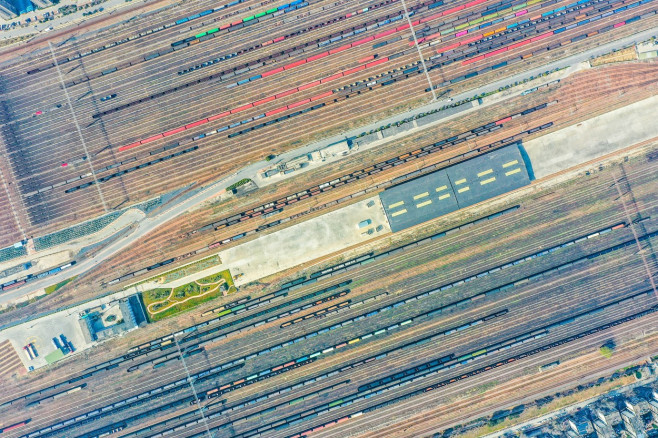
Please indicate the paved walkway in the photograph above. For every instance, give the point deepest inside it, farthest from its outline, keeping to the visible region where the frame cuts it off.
(193, 297)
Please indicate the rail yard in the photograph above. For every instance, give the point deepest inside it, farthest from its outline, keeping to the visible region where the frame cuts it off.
(156, 126)
(325, 218)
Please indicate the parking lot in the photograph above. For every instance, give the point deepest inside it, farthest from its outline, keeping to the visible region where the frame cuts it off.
(40, 333)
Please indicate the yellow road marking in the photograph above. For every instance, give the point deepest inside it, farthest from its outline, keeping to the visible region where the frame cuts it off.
(422, 195)
(486, 172)
(511, 163)
(512, 172)
(423, 204)
(461, 181)
(447, 195)
(487, 181)
(438, 189)
(464, 189)
(397, 204)
(398, 213)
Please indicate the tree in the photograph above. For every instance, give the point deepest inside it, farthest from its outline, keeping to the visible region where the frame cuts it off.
(606, 351)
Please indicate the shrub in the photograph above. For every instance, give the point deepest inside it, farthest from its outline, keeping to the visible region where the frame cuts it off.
(606, 351)
(238, 184)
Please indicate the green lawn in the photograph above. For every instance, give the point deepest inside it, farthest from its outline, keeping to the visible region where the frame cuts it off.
(226, 275)
(238, 184)
(58, 286)
(164, 297)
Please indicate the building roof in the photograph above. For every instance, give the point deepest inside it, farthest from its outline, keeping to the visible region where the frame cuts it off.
(581, 425)
(87, 332)
(458, 186)
(138, 310)
(340, 148)
(653, 404)
(603, 430)
(637, 404)
(488, 176)
(633, 424)
(419, 200)
(127, 307)
(606, 410)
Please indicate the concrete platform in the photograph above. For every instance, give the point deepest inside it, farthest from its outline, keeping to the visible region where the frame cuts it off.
(301, 243)
(40, 334)
(593, 138)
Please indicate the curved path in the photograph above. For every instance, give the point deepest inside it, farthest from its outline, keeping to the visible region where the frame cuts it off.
(175, 303)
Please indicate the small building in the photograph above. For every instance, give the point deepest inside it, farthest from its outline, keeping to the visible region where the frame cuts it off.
(647, 49)
(580, 426)
(633, 424)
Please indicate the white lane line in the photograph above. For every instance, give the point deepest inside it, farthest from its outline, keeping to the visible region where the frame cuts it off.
(422, 60)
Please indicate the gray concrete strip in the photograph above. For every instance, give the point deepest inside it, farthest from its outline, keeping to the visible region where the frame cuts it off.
(593, 138)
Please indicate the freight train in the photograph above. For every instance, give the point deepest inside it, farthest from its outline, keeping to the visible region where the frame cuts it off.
(30, 277)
